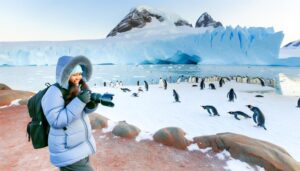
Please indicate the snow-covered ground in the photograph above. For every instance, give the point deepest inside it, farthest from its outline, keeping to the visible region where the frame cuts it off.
(156, 109)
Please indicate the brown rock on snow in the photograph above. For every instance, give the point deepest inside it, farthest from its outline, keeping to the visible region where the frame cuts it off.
(250, 150)
(4, 87)
(98, 121)
(7, 96)
(172, 136)
(126, 130)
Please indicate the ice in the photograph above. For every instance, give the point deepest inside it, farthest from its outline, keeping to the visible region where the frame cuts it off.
(255, 46)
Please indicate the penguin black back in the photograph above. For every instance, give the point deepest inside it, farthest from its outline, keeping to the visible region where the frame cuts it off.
(211, 110)
(146, 85)
(231, 95)
(239, 113)
(212, 86)
(258, 116)
(202, 84)
(298, 103)
(176, 96)
(165, 84)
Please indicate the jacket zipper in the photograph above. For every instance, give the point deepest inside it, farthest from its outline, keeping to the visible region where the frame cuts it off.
(86, 133)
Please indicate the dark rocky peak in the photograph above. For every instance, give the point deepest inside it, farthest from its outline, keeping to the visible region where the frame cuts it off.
(205, 20)
(293, 44)
(139, 17)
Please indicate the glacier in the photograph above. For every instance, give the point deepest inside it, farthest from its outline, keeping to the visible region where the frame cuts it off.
(163, 44)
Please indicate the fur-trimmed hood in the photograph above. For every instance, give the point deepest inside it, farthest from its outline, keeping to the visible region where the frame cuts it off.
(66, 64)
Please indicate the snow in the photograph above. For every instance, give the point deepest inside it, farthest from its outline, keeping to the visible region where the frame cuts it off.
(158, 40)
(156, 109)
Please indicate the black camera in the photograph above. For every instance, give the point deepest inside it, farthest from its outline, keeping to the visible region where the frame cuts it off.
(105, 99)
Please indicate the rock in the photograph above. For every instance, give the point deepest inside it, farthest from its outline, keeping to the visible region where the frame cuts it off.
(172, 136)
(205, 20)
(7, 96)
(98, 121)
(4, 87)
(138, 18)
(126, 130)
(250, 150)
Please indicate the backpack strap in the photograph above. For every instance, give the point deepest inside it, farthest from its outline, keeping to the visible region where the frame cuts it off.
(63, 91)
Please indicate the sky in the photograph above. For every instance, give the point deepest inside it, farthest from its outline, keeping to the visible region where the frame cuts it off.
(35, 20)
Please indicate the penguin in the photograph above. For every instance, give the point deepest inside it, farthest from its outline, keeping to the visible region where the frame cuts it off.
(104, 84)
(221, 82)
(259, 95)
(165, 84)
(117, 84)
(135, 95)
(262, 83)
(231, 95)
(298, 103)
(176, 96)
(146, 85)
(138, 83)
(258, 116)
(125, 90)
(236, 113)
(140, 89)
(180, 79)
(161, 83)
(202, 84)
(211, 110)
(212, 86)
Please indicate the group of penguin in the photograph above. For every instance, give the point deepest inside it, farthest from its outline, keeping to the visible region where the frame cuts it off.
(258, 116)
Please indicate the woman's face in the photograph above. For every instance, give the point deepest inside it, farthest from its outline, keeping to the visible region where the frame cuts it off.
(75, 78)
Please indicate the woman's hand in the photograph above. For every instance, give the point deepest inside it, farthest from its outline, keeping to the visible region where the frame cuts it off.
(85, 96)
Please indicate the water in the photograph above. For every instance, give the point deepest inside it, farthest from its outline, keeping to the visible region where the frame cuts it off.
(33, 78)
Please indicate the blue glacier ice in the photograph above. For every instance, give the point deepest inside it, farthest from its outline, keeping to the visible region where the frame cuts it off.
(239, 45)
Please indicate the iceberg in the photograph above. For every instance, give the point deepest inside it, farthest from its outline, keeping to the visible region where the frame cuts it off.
(289, 86)
(166, 43)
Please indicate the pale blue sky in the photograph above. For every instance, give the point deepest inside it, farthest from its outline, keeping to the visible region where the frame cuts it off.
(24, 20)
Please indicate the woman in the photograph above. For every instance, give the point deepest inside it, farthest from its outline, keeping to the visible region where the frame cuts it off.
(70, 138)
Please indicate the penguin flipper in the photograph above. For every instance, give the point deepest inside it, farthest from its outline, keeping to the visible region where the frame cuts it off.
(246, 116)
(236, 117)
(254, 117)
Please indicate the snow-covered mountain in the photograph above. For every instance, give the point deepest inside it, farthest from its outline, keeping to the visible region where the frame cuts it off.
(140, 16)
(157, 42)
(205, 20)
